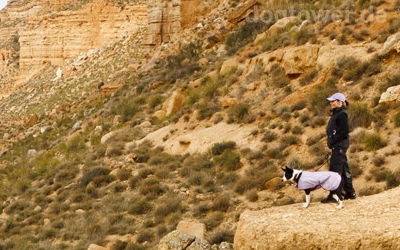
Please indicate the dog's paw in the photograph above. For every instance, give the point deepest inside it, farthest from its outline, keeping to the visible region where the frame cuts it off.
(339, 206)
(305, 205)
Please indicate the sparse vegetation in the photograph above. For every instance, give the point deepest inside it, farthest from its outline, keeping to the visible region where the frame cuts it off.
(104, 178)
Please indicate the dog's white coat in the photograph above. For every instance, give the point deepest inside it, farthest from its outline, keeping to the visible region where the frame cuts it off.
(308, 196)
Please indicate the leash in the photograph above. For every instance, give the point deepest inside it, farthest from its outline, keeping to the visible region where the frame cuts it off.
(327, 156)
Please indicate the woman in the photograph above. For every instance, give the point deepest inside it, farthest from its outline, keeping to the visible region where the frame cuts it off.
(338, 141)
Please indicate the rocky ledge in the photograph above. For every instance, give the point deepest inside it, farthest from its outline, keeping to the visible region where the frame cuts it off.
(370, 222)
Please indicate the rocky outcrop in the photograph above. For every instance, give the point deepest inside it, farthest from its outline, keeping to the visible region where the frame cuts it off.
(391, 95)
(164, 21)
(167, 18)
(245, 9)
(391, 44)
(321, 226)
(175, 102)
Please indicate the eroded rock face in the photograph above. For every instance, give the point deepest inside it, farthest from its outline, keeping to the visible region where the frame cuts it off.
(167, 18)
(57, 37)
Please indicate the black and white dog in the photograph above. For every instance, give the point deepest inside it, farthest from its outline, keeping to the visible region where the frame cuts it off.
(309, 181)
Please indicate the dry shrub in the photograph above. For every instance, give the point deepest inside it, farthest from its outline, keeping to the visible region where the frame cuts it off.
(221, 203)
(252, 195)
(369, 190)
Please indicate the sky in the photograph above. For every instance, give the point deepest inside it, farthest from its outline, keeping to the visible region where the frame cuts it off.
(2, 3)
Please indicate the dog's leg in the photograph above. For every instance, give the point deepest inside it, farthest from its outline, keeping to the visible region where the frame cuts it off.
(338, 199)
(308, 198)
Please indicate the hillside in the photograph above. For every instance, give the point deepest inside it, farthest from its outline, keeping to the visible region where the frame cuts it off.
(121, 119)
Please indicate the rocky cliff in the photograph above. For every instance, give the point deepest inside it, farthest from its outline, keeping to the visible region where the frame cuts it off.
(53, 37)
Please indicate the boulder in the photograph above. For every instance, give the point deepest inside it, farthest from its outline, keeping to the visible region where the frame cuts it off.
(176, 240)
(194, 228)
(391, 44)
(298, 60)
(391, 95)
(96, 247)
(175, 102)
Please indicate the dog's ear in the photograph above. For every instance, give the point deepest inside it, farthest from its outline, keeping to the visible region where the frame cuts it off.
(284, 169)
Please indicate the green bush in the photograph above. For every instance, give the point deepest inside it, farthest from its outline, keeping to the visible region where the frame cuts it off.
(75, 145)
(213, 220)
(197, 178)
(276, 153)
(361, 4)
(66, 172)
(396, 5)
(373, 142)
(252, 195)
(288, 140)
(202, 208)
(239, 112)
(123, 174)
(302, 36)
(297, 130)
(196, 162)
(140, 206)
(299, 105)
(396, 119)
(380, 174)
(143, 152)
(342, 39)
(308, 77)
(221, 203)
(145, 235)
(394, 25)
(207, 109)
(391, 181)
(378, 161)
(359, 115)
(151, 187)
(220, 147)
(168, 206)
(154, 101)
(229, 160)
(269, 136)
(244, 184)
(102, 172)
(352, 68)
(126, 109)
